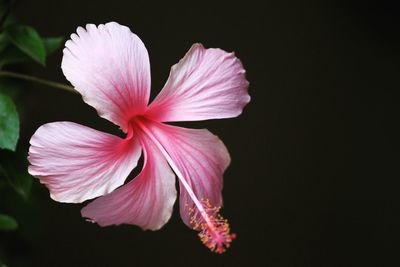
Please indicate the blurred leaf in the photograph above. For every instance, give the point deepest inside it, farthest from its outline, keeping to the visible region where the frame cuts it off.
(51, 44)
(7, 223)
(14, 167)
(9, 123)
(12, 55)
(28, 41)
(27, 212)
(11, 88)
(10, 20)
(3, 41)
(5, 6)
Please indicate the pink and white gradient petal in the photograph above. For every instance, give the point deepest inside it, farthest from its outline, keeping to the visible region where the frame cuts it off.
(109, 66)
(146, 201)
(205, 84)
(200, 157)
(77, 163)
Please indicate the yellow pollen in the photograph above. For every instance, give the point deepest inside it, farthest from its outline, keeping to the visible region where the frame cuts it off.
(214, 231)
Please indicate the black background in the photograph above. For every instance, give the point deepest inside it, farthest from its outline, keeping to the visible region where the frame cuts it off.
(311, 181)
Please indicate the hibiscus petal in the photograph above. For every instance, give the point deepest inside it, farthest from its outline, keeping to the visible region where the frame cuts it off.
(205, 84)
(109, 66)
(146, 201)
(78, 163)
(200, 156)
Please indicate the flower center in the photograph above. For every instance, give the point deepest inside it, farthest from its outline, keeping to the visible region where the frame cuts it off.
(214, 229)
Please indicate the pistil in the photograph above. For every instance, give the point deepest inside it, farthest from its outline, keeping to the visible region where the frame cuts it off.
(214, 229)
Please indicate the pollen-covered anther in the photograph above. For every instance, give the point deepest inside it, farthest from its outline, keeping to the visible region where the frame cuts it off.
(215, 232)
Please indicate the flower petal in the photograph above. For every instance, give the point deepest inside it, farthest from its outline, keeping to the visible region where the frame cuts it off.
(78, 163)
(109, 66)
(146, 201)
(200, 156)
(205, 84)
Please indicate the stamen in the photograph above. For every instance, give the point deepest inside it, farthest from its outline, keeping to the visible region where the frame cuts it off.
(215, 234)
(214, 229)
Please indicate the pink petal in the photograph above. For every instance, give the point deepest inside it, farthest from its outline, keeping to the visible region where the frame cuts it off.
(109, 66)
(146, 201)
(78, 163)
(202, 159)
(205, 84)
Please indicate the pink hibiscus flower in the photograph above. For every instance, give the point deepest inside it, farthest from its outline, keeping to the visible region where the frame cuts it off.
(109, 66)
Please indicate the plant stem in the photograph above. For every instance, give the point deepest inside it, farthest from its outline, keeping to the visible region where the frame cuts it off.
(34, 79)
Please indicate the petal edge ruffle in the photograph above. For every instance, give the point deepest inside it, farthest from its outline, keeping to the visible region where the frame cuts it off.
(109, 66)
(204, 84)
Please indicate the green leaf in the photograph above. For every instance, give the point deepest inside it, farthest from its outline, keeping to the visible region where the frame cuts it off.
(7, 223)
(12, 55)
(28, 41)
(51, 44)
(14, 168)
(9, 123)
(11, 88)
